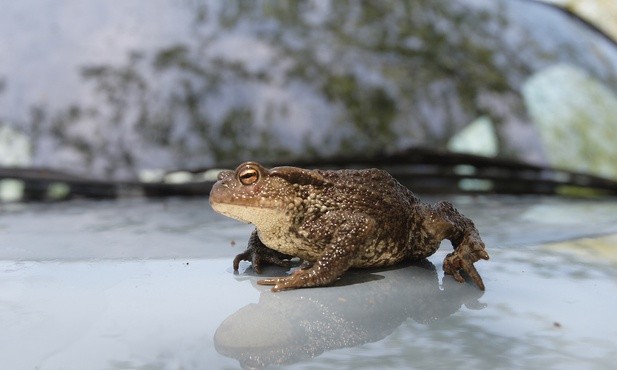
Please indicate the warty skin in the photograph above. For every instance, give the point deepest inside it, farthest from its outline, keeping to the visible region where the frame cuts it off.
(340, 219)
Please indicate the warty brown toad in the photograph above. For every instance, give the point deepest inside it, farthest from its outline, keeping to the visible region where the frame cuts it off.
(338, 219)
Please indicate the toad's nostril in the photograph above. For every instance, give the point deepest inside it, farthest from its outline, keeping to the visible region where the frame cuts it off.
(224, 174)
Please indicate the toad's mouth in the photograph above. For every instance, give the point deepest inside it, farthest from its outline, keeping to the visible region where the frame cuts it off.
(254, 214)
(240, 213)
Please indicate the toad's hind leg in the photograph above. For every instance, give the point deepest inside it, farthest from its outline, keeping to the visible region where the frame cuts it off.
(334, 261)
(445, 222)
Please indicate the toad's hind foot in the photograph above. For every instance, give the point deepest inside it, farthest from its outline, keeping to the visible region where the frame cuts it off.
(463, 258)
(298, 279)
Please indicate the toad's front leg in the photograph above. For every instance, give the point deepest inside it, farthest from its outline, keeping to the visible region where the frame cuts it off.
(337, 257)
(258, 254)
(445, 222)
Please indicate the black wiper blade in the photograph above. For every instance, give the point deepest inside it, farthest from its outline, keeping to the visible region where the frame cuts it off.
(423, 170)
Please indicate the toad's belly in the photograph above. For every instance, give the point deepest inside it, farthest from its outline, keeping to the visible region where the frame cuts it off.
(291, 244)
(381, 252)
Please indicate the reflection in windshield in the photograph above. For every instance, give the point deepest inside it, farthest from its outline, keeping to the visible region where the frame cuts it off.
(277, 80)
(293, 326)
(575, 115)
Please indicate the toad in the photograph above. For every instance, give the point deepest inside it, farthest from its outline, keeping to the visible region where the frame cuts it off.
(335, 220)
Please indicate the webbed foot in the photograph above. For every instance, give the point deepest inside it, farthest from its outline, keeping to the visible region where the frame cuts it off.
(463, 258)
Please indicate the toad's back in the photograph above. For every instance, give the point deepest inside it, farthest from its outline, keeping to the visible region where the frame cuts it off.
(395, 210)
(371, 189)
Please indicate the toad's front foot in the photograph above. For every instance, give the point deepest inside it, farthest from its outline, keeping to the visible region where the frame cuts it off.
(258, 254)
(259, 259)
(463, 258)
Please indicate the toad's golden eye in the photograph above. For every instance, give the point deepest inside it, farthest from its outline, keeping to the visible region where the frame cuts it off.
(248, 176)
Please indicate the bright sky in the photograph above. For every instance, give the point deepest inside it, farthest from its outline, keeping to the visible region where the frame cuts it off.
(601, 13)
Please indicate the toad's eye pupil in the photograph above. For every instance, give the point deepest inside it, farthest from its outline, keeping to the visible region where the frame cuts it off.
(248, 176)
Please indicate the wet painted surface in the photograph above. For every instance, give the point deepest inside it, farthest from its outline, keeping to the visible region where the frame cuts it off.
(137, 284)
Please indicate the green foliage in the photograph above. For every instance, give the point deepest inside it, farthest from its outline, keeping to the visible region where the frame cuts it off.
(384, 71)
(370, 111)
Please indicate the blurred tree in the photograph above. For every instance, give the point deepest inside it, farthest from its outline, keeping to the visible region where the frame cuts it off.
(271, 79)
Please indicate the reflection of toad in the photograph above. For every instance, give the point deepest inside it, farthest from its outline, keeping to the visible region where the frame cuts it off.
(292, 327)
(335, 220)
